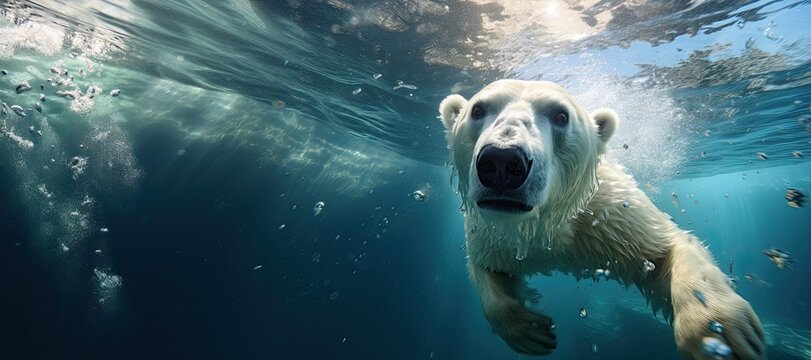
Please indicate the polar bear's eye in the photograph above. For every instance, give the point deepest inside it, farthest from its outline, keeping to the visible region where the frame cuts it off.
(477, 112)
(561, 119)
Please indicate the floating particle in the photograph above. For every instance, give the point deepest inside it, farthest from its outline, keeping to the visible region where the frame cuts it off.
(42, 97)
(740, 24)
(108, 281)
(115, 92)
(377, 76)
(605, 214)
(625, 146)
(180, 152)
(584, 313)
(594, 348)
(18, 110)
(797, 154)
(595, 222)
(38, 108)
(357, 91)
(707, 132)
(702, 154)
(749, 43)
(780, 258)
(104, 230)
(419, 196)
(23, 87)
(715, 348)
(319, 206)
(700, 296)
(278, 104)
(402, 85)
(44, 191)
(683, 211)
(762, 156)
(334, 295)
(625, 204)
(69, 95)
(4, 72)
(64, 247)
(282, 226)
(648, 266)
(315, 257)
(794, 198)
(716, 327)
(97, 251)
(257, 267)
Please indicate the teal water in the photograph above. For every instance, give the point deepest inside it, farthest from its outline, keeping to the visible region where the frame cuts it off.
(186, 226)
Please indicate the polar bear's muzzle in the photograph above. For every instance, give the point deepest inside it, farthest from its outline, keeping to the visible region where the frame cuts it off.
(502, 172)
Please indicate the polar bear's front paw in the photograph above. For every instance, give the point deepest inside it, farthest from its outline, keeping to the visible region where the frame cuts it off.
(739, 329)
(524, 331)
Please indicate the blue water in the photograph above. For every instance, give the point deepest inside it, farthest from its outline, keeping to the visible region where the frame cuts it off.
(190, 230)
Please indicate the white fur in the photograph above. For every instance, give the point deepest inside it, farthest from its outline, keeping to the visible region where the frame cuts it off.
(560, 234)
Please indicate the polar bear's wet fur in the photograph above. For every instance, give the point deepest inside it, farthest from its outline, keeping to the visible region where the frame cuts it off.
(541, 197)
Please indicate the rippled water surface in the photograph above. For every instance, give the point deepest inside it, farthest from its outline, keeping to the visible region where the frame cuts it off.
(249, 191)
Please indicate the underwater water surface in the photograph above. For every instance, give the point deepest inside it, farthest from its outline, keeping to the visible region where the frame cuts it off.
(267, 179)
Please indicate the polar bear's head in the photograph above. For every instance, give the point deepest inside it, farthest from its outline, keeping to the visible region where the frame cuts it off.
(525, 149)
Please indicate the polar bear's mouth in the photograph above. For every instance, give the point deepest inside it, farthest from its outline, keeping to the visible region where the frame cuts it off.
(504, 205)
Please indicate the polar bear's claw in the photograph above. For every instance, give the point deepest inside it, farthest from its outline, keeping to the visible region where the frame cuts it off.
(524, 331)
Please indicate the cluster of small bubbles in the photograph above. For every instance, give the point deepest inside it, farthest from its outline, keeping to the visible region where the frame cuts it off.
(583, 312)
(108, 281)
(602, 273)
(319, 206)
(78, 165)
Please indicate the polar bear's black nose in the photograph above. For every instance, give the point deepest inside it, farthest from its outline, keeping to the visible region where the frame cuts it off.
(502, 169)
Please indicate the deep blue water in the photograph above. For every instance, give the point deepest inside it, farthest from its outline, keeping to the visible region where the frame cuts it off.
(190, 232)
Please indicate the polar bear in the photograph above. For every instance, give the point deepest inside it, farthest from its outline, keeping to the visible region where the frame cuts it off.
(540, 197)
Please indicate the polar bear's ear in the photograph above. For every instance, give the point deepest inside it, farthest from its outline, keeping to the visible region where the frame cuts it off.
(607, 121)
(449, 109)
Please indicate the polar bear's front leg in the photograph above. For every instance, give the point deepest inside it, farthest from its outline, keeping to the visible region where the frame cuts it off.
(503, 299)
(701, 295)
